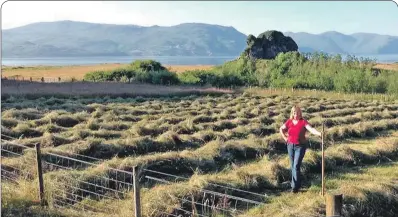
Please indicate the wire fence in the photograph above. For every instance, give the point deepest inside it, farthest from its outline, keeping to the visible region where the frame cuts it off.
(37, 79)
(21, 78)
(73, 189)
(208, 202)
(14, 172)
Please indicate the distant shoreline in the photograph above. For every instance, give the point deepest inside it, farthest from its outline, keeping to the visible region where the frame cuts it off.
(165, 60)
(381, 65)
(124, 64)
(83, 65)
(90, 61)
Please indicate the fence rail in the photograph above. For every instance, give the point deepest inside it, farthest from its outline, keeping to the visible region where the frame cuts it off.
(36, 79)
(114, 184)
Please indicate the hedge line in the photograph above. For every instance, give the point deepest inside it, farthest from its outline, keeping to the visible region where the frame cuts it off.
(288, 70)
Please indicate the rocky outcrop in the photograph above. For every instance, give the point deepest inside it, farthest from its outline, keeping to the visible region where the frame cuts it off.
(268, 45)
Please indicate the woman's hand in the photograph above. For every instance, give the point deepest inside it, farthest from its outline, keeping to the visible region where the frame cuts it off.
(282, 132)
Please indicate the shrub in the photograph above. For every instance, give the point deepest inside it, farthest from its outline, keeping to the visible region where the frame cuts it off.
(125, 79)
(119, 73)
(227, 79)
(146, 71)
(323, 72)
(147, 65)
(163, 77)
(352, 81)
(98, 76)
(197, 77)
(379, 85)
(143, 77)
(241, 71)
(392, 87)
(189, 77)
(110, 75)
(288, 70)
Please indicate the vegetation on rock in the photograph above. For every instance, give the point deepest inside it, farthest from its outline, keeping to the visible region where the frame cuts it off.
(268, 45)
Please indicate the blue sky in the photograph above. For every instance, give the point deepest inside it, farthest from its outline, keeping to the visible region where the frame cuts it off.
(248, 17)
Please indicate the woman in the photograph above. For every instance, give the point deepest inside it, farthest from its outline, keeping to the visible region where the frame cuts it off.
(296, 127)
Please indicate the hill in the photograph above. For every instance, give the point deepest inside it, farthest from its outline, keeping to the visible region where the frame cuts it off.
(71, 38)
(335, 42)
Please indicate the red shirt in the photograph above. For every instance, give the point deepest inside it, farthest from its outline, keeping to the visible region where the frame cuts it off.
(296, 132)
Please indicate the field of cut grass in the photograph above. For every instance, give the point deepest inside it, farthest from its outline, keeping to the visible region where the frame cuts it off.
(387, 66)
(51, 73)
(230, 140)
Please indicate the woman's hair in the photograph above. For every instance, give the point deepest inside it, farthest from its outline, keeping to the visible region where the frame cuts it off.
(299, 114)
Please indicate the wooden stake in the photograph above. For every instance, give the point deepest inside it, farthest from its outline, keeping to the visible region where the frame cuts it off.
(137, 204)
(40, 175)
(323, 160)
(334, 204)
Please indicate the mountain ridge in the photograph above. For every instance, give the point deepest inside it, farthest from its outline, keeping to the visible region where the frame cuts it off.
(77, 38)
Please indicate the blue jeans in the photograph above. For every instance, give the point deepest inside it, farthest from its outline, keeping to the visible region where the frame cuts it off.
(296, 155)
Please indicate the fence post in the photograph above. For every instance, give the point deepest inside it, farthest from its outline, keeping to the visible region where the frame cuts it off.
(334, 203)
(136, 186)
(323, 158)
(40, 175)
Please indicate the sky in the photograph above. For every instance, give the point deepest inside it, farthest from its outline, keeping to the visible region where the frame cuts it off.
(252, 17)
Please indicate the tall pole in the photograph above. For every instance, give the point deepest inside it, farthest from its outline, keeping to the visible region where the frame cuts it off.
(137, 203)
(323, 160)
(40, 175)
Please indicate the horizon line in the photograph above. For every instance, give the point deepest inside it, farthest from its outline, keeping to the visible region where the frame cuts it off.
(148, 26)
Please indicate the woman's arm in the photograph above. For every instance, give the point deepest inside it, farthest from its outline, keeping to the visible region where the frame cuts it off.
(313, 130)
(282, 131)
